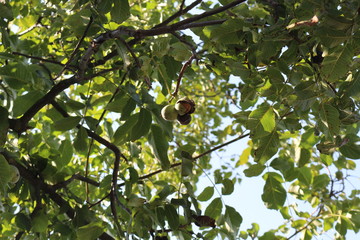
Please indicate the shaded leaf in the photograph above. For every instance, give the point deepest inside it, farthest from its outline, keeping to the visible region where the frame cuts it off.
(204, 221)
(81, 140)
(335, 65)
(142, 126)
(206, 194)
(214, 208)
(274, 194)
(330, 118)
(90, 231)
(254, 170)
(233, 218)
(160, 145)
(40, 222)
(4, 125)
(351, 150)
(228, 187)
(172, 216)
(67, 123)
(5, 174)
(122, 132)
(66, 153)
(22, 221)
(267, 147)
(120, 11)
(24, 102)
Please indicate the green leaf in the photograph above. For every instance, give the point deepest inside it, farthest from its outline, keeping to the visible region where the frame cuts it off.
(5, 11)
(330, 118)
(228, 187)
(261, 121)
(351, 88)
(254, 170)
(305, 176)
(206, 194)
(142, 126)
(233, 219)
(66, 153)
(180, 52)
(128, 109)
(274, 194)
(120, 11)
(24, 102)
(214, 208)
(228, 32)
(159, 145)
(81, 140)
(160, 215)
(321, 182)
(267, 147)
(67, 123)
(186, 167)
(40, 222)
(172, 216)
(120, 135)
(5, 174)
(23, 221)
(335, 65)
(90, 231)
(4, 125)
(351, 150)
(244, 157)
(134, 176)
(118, 104)
(75, 105)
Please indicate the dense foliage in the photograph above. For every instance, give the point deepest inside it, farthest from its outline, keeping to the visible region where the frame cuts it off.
(82, 85)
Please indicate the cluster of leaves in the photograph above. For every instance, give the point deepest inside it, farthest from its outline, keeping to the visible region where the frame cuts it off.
(82, 85)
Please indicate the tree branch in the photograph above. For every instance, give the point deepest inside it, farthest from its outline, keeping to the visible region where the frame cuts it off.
(21, 124)
(48, 189)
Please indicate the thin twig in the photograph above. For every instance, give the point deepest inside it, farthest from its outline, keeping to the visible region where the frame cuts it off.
(181, 11)
(77, 177)
(38, 58)
(146, 176)
(181, 74)
(77, 47)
